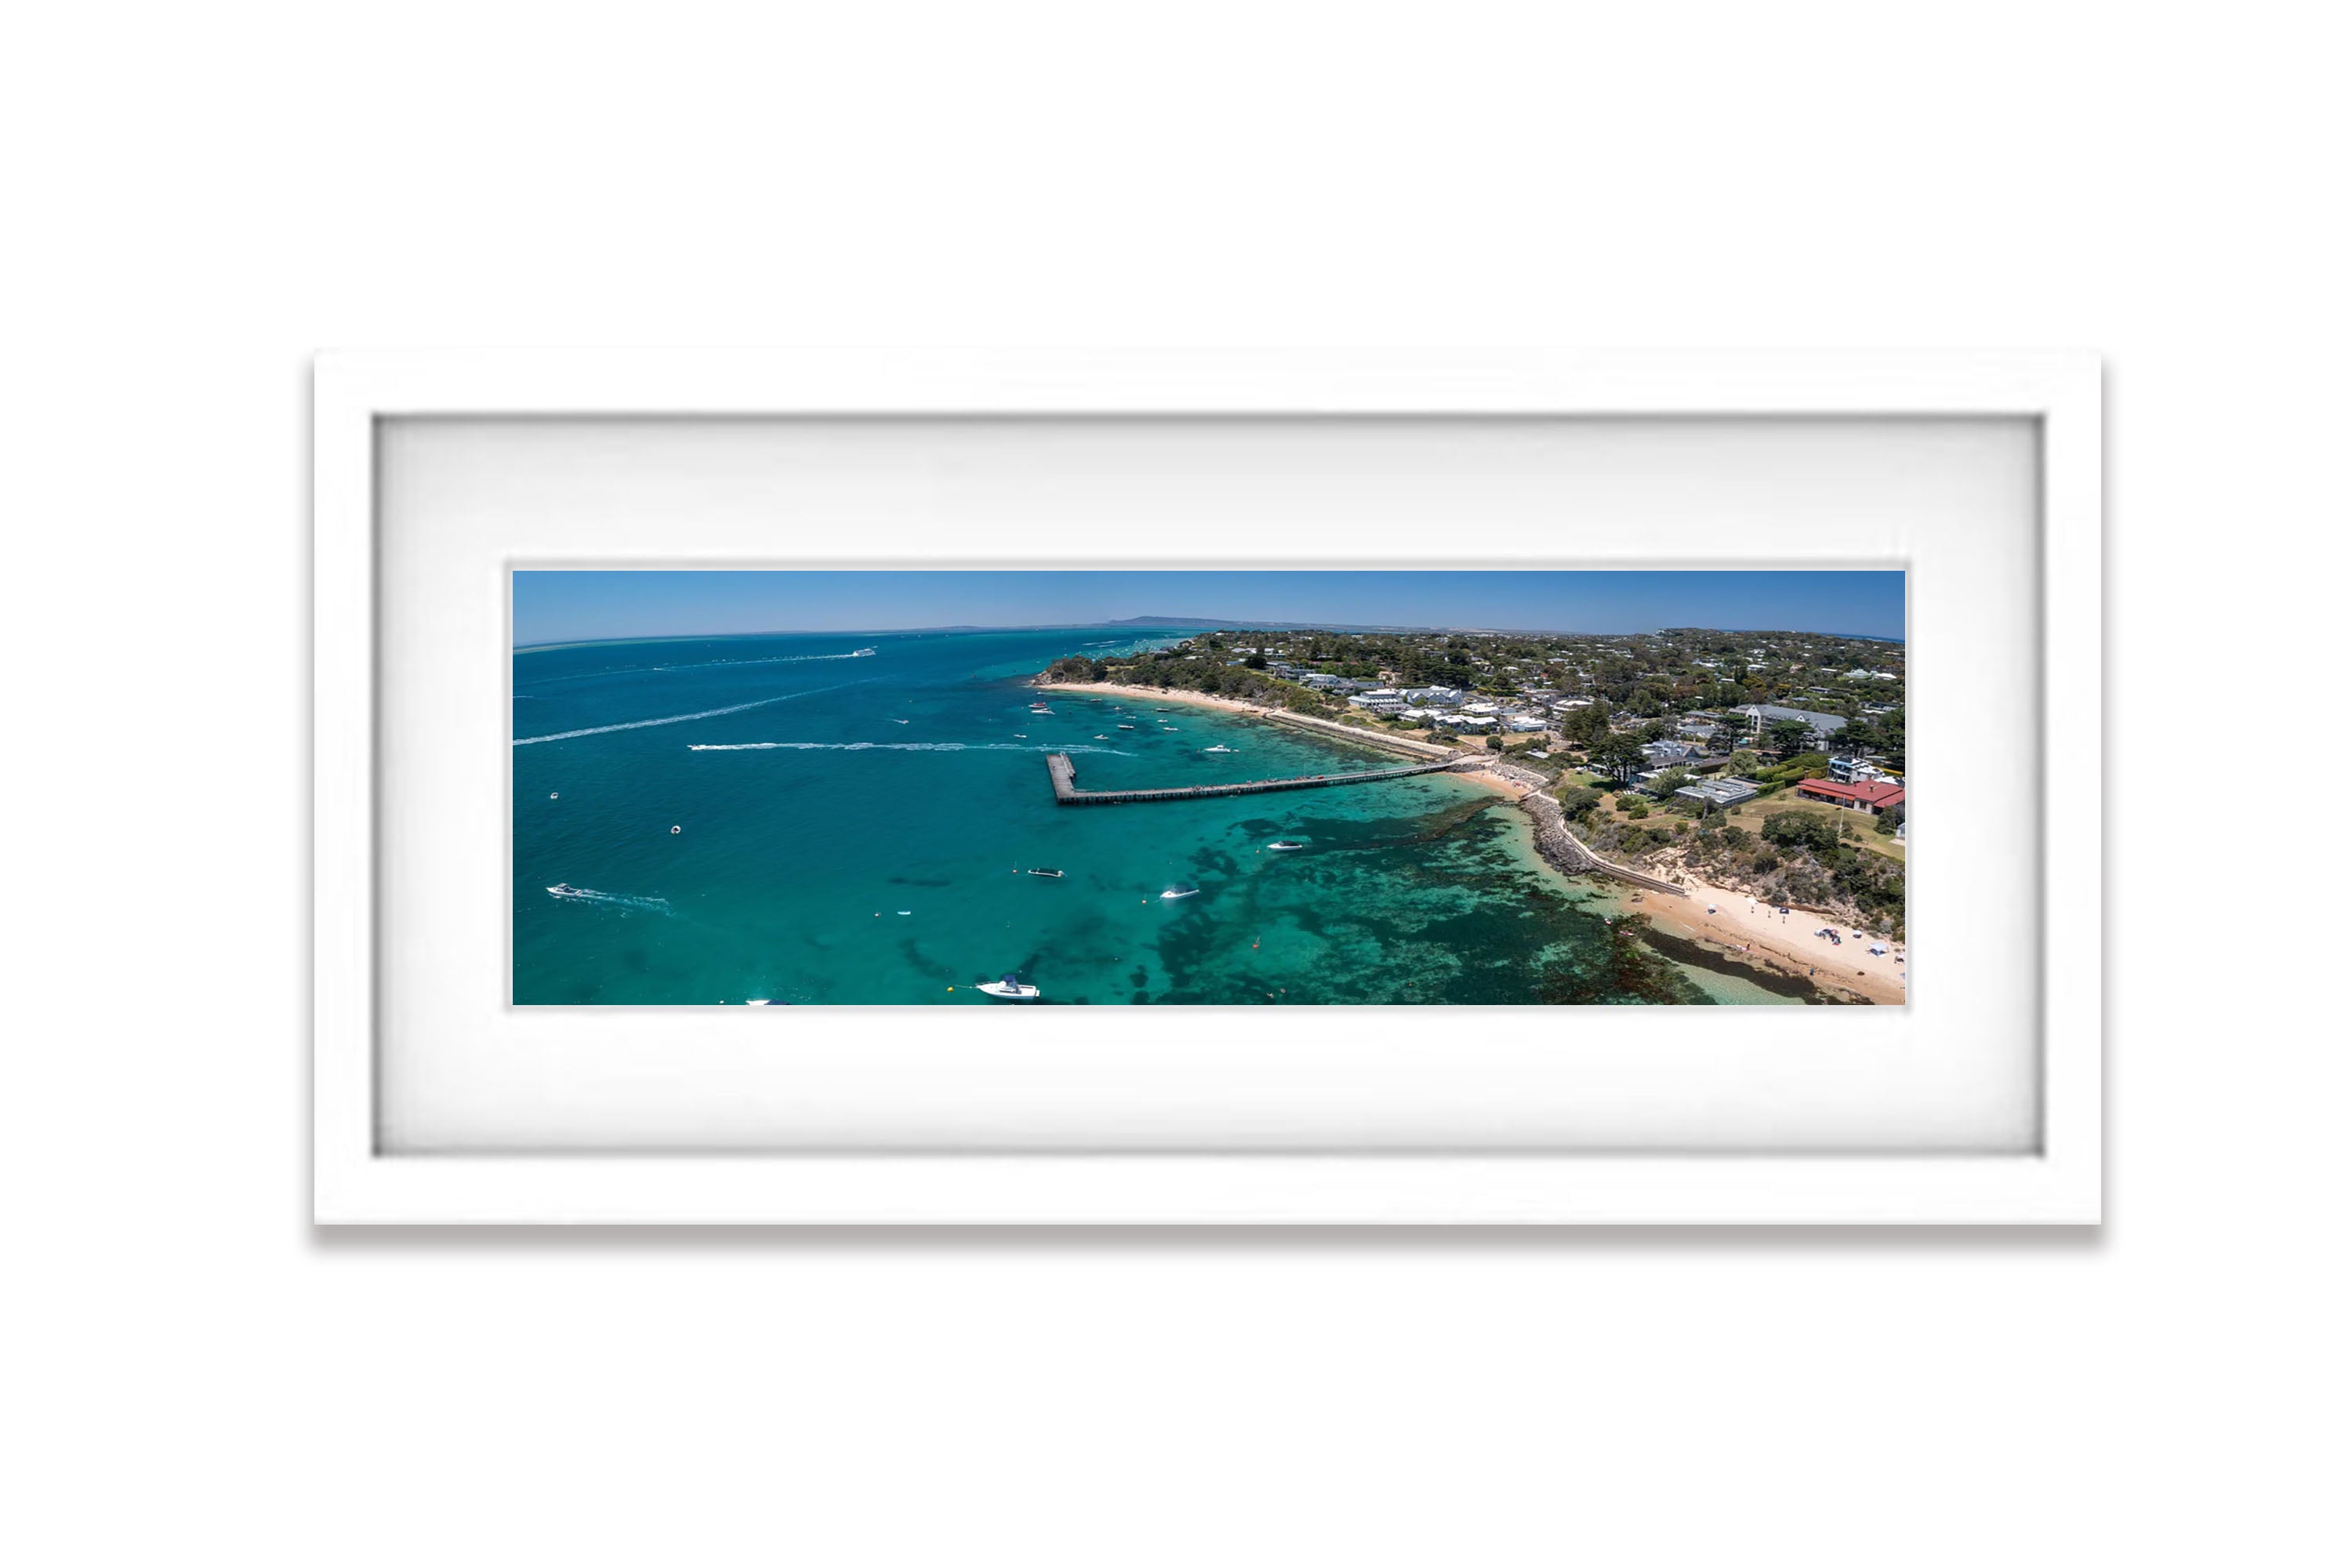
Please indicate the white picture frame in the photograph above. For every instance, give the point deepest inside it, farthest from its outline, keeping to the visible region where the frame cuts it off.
(357, 1180)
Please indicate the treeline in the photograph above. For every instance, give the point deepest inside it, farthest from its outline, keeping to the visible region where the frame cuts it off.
(1207, 677)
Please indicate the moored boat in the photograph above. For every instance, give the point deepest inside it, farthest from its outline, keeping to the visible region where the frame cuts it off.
(1182, 890)
(1010, 989)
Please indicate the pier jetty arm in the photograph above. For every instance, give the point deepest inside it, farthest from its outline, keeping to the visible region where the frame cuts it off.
(1064, 776)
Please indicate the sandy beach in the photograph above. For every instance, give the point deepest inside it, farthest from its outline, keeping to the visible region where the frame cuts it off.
(1761, 934)
(1142, 696)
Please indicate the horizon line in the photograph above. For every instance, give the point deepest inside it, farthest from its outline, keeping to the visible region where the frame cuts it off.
(1199, 624)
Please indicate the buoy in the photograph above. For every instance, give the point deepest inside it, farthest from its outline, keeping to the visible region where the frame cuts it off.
(674, 828)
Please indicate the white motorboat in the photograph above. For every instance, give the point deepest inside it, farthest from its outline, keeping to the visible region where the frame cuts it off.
(1044, 871)
(860, 652)
(1216, 748)
(1010, 989)
(1122, 726)
(1285, 844)
(1179, 892)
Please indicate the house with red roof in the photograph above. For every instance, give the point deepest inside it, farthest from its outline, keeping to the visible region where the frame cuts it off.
(1873, 795)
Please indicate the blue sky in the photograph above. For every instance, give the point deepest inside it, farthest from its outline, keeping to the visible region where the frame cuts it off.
(567, 607)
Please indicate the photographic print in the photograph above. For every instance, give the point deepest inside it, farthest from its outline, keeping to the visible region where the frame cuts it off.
(1285, 788)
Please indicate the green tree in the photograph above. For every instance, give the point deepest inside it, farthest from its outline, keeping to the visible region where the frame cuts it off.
(1578, 802)
(1617, 755)
(1802, 829)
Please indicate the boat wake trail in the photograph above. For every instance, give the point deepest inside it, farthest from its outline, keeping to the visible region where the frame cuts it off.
(564, 892)
(904, 746)
(683, 718)
(705, 664)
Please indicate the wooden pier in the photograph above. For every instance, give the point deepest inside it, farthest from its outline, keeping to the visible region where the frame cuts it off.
(1066, 792)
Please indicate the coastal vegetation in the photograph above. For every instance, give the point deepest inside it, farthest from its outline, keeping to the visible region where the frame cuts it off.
(1209, 678)
(1815, 855)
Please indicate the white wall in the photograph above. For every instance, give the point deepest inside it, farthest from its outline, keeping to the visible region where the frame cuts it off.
(199, 196)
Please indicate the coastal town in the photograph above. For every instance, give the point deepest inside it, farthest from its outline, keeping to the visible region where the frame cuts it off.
(1751, 785)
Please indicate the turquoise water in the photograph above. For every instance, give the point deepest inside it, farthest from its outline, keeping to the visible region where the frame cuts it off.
(859, 829)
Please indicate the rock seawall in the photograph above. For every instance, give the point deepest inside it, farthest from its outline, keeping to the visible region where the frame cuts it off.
(1563, 849)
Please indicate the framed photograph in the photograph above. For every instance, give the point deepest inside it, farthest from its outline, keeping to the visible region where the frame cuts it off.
(1413, 789)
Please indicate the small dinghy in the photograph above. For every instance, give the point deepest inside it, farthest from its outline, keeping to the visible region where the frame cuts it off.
(1010, 989)
(1043, 871)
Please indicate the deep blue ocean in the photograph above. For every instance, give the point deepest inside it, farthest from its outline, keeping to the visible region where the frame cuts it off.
(788, 819)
